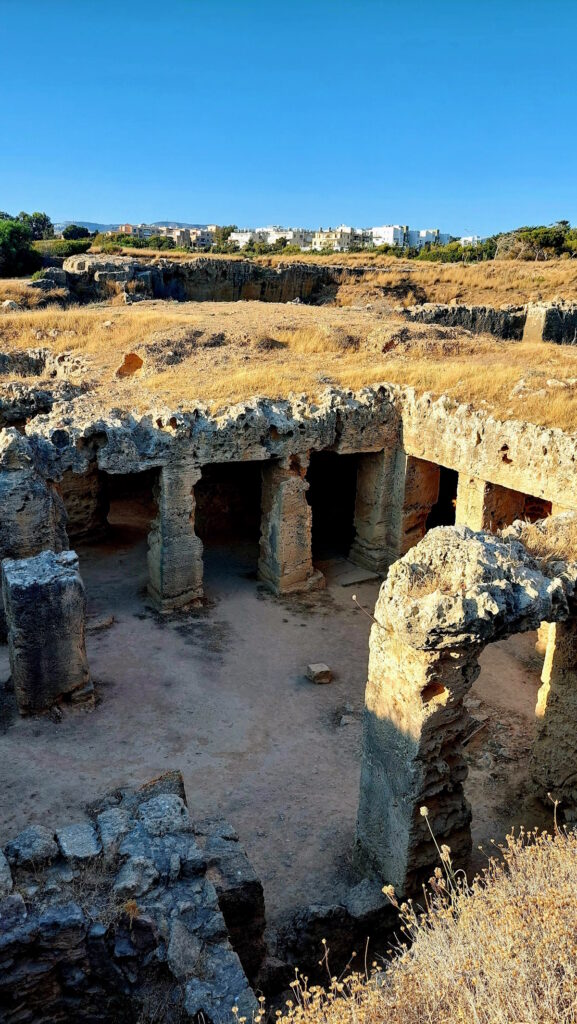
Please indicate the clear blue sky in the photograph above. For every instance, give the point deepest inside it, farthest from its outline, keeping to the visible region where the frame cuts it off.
(459, 114)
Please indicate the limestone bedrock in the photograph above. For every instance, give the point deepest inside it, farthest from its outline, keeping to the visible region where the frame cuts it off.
(448, 597)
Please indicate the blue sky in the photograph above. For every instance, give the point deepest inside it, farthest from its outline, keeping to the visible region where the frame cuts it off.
(459, 114)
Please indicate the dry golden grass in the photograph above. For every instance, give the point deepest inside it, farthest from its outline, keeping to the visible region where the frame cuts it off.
(18, 291)
(551, 540)
(501, 952)
(229, 352)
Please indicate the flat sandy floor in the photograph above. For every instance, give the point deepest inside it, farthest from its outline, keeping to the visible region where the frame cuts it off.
(221, 694)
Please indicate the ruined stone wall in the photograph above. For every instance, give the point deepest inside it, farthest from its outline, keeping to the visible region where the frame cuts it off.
(123, 917)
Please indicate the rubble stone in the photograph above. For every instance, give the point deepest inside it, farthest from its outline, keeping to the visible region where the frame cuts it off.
(319, 673)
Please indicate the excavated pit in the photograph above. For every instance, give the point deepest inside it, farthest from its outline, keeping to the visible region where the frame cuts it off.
(210, 676)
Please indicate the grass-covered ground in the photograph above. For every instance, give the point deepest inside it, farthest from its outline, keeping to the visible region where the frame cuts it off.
(222, 353)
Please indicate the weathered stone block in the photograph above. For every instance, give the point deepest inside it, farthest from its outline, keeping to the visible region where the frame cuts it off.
(319, 673)
(34, 846)
(46, 610)
(78, 842)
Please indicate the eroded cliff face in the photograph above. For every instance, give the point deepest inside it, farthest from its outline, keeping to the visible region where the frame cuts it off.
(206, 279)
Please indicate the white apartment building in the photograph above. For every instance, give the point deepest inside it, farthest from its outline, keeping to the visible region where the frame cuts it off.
(471, 240)
(430, 236)
(389, 234)
(242, 238)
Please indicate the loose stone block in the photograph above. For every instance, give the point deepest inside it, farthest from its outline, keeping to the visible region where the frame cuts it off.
(46, 611)
(319, 673)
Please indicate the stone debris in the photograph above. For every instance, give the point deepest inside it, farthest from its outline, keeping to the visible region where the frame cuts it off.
(6, 883)
(9, 306)
(32, 847)
(144, 921)
(45, 613)
(319, 673)
(78, 842)
(97, 623)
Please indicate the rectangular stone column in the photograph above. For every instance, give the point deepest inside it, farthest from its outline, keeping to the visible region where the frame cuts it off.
(553, 760)
(421, 493)
(412, 757)
(379, 509)
(45, 612)
(485, 506)
(175, 567)
(285, 561)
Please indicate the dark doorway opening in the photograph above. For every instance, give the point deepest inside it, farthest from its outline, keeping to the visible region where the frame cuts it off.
(131, 501)
(227, 519)
(443, 511)
(331, 495)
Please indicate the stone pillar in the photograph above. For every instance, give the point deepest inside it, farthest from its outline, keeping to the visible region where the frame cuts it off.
(553, 760)
(421, 493)
(412, 757)
(33, 517)
(285, 561)
(46, 612)
(379, 509)
(175, 567)
(485, 506)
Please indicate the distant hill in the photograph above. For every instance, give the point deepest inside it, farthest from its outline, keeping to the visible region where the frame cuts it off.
(93, 226)
(89, 224)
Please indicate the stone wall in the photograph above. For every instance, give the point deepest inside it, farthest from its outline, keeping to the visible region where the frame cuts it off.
(116, 919)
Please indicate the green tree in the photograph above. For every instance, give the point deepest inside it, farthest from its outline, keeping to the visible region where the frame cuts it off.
(222, 234)
(75, 231)
(16, 254)
(39, 223)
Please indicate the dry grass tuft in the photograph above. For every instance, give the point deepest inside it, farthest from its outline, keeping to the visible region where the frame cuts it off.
(552, 540)
(29, 298)
(500, 952)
